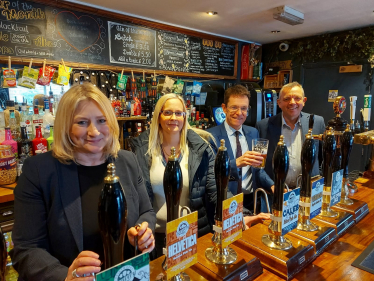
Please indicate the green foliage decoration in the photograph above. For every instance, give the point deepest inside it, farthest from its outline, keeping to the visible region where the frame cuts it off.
(342, 46)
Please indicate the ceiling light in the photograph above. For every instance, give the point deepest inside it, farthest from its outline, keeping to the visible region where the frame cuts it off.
(288, 15)
(275, 31)
(212, 13)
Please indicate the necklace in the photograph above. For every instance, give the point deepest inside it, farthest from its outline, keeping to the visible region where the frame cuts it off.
(166, 155)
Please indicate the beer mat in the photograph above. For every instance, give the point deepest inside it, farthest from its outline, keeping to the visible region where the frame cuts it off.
(365, 261)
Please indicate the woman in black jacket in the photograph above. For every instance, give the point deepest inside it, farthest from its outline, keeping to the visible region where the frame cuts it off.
(170, 128)
(56, 230)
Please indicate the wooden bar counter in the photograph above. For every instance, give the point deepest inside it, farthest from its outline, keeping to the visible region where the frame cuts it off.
(335, 262)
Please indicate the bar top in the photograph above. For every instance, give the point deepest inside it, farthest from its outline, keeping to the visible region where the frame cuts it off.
(335, 262)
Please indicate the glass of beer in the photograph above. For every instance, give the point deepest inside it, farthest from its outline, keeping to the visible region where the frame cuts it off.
(261, 146)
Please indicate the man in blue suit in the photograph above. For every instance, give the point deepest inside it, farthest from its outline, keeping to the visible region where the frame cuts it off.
(293, 124)
(238, 139)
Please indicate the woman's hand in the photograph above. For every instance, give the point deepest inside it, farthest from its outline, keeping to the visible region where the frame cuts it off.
(146, 241)
(86, 263)
(252, 220)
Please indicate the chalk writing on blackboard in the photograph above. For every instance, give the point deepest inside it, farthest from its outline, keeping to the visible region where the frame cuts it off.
(132, 45)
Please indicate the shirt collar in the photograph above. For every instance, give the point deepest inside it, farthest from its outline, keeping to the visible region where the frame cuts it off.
(298, 122)
(231, 131)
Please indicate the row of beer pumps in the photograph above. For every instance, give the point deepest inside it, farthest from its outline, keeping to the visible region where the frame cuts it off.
(316, 213)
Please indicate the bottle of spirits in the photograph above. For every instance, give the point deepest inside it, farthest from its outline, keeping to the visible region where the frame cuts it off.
(112, 213)
(37, 120)
(51, 100)
(197, 122)
(50, 139)
(14, 126)
(48, 119)
(24, 144)
(26, 120)
(10, 141)
(10, 106)
(39, 143)
(2, 125)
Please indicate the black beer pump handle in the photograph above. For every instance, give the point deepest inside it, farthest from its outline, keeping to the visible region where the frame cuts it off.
(222, 173)
(308, 157)
(280, 169)
(329, 148)
(346, 147)
(311, 121)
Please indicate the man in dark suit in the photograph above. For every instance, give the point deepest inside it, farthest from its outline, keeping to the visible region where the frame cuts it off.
(293, 124)
(238, 140)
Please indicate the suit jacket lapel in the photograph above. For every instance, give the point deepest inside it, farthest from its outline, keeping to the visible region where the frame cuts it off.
(274, 130)
(71, 201)
(304, 124)
(248, 137)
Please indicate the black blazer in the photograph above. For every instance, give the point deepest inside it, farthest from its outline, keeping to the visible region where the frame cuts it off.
(48, 231)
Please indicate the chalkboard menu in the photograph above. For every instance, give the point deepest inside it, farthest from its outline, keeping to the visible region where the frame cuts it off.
(29, 29)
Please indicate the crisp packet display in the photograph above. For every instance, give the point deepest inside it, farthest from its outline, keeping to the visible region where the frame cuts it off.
(122, 81)
(45, 79)
(9, 78)
(28, 78)
(63, 75)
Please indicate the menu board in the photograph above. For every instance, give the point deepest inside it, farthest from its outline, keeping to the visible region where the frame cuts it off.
(33, 30)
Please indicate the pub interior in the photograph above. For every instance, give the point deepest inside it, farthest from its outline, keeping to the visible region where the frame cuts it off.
(246, 124)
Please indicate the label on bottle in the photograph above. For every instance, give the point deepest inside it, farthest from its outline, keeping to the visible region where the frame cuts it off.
(26, 148)
(8, 163)
(40, 146)
(316, 199)
(336, 187)
(36, 122)
(290, 210)
(28, 126)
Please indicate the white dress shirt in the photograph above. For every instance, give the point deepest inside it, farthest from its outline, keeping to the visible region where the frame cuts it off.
(294, 142)
(246, 171)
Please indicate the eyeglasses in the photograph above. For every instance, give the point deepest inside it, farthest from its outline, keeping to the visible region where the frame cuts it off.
(169, 113)
(244, 109)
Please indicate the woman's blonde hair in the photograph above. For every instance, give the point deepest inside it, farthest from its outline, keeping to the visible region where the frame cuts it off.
(63, 147)
(156, 136)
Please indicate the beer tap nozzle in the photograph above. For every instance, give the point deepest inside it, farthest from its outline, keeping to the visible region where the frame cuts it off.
(352, 100)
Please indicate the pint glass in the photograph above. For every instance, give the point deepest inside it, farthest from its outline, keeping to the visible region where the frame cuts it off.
(261, 146)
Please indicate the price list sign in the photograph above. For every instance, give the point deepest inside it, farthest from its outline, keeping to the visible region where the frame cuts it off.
(232, 218)
(181, 244)
(336, 187)
(132, 45)
(290, 210)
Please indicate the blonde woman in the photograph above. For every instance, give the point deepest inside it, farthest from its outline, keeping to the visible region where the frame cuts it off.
(56, 232)
(170, 128)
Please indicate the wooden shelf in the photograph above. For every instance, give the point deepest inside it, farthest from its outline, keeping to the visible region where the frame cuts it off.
(132, 118)
(275, 81)
(250, 80)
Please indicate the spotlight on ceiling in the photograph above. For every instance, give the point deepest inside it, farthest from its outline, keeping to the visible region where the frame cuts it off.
(212, 13)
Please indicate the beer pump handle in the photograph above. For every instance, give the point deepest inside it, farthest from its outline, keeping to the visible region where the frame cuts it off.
(346, 146)
(328, 152)
(173, 184)
(280, 169)
(222, 173)
(353, 100)
(362, 119)
(311, 121)
(308, 157)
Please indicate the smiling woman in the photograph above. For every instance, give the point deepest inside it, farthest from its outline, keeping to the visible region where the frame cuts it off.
(56, 231)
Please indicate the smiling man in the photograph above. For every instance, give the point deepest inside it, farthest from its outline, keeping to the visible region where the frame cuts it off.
(293, 124)
(238, 140)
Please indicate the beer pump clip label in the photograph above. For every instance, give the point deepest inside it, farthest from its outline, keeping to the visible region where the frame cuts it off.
(336, 187)
(181, 244)
(232, 219)
(136, 268)
(290, 210)
(316, 200)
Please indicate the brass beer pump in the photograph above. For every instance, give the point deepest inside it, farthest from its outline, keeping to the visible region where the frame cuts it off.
(217, 254)
(275, 239)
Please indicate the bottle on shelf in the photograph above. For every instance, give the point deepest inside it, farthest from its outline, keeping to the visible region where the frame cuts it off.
(51, 100)
(10, 141)
(39, 143)
(48, 119)
(50, 139)
(26, 119)
(24, 144)
(10, 106)
(37, 120)
(14, 126)
(197, 122)
(2, 125)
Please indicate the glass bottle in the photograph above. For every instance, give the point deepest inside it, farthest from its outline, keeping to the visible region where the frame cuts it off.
(14, 126)
(10, 106)
(26, 120)
(24, 144)
(2, 125)
(39, 143)
(37, 120)
(9, 141)
(48, 120)
(50, 139)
